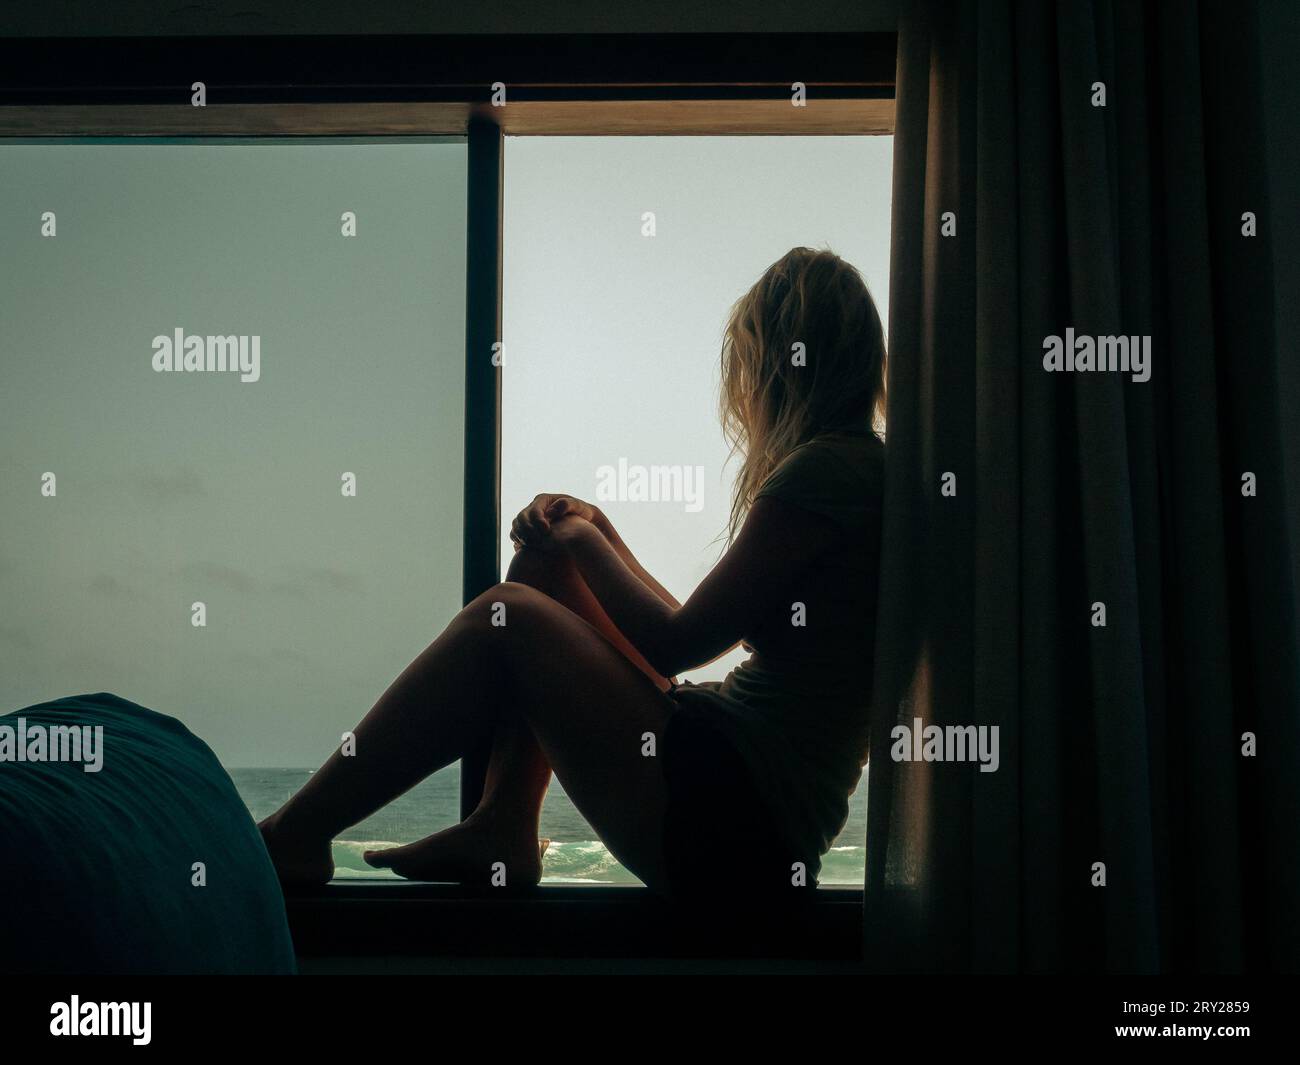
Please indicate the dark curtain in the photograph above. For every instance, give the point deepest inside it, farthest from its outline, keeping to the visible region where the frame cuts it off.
(1119, 744)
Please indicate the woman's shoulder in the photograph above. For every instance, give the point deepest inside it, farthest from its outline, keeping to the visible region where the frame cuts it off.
(838, 474)
(864, 450)
(854, 456)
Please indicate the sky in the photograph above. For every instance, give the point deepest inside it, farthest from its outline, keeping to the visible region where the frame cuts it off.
(177, 488)
(612, 337)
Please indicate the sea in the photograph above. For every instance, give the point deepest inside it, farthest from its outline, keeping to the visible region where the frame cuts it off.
(575, 855)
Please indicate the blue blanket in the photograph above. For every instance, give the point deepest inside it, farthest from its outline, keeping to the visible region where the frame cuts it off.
(148, 864)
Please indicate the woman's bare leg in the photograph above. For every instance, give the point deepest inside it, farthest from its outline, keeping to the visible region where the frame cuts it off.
(517, 760)
(503, 828)
(587, 705)
(518, 773)
(557, 576)
(430, 715)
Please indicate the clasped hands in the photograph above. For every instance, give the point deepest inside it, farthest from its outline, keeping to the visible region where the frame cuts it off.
(554, 522)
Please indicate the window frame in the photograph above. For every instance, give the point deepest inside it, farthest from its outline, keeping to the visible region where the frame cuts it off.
(421, 85)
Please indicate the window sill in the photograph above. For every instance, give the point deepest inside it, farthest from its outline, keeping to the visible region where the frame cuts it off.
(361, 918)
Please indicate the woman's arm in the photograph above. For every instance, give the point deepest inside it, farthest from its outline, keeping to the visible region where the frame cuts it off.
(625, 553)
(774, 545)
(533, 525)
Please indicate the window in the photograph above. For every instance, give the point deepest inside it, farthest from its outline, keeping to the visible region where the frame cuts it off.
(622, 257)
(424, 294)
(420, 295)
(171, 489)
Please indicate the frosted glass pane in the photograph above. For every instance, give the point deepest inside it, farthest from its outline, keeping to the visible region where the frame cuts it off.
(182, 487)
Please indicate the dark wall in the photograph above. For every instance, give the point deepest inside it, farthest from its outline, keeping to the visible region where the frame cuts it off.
(172, 18)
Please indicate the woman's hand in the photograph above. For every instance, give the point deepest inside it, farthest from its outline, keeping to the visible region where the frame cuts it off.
(568, 531)
(534, 523)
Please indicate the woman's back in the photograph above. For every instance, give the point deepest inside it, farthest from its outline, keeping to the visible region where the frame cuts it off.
(828, 619)
(797, 709)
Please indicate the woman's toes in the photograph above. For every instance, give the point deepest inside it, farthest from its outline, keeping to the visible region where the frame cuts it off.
(380, 859)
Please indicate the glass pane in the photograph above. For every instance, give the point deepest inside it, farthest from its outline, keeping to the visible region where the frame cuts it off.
(612, 338)
(228, 488)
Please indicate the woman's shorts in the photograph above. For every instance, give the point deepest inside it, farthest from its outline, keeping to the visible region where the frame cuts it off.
(718, 828)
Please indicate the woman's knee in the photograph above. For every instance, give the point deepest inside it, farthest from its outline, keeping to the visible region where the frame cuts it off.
(507, 602)
(502, 624)
(545, 570)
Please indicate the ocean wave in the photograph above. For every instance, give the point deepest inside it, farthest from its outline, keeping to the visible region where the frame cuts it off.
(583, 862)
(349, 863)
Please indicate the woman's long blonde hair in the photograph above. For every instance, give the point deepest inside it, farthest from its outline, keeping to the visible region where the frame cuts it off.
(772, 398)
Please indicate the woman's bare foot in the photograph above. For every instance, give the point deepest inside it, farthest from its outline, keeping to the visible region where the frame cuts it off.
(468, 853)
(296, 863)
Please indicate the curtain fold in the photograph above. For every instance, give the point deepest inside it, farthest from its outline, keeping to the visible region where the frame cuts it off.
(1018, 500)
